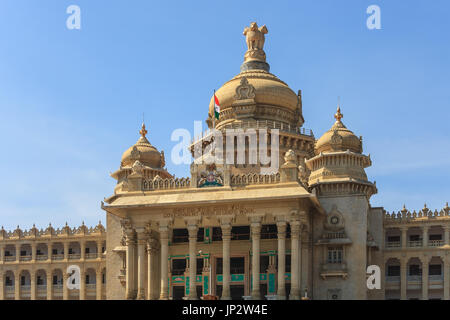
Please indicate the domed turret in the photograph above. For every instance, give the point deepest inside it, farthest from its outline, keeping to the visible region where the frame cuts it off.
(255, 94)
(338, 165)
(143, 151)
(338, 138)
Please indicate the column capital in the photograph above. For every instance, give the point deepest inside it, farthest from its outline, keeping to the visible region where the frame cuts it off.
(425, 259)
(403, 228)
(425, 228)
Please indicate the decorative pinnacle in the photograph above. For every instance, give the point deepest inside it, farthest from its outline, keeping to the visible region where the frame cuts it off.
(338, 115)
(143, 132)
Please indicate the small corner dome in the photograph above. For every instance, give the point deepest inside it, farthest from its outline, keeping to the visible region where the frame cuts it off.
(143, 151)
(338, 138)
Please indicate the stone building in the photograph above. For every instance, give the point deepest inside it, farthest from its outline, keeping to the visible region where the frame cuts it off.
(236, 228)
(34, 263)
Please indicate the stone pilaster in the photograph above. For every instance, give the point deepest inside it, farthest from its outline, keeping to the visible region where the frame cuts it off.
(256, 236)
(404, 237)
(130, 272)
(33, 251)
(82, 284)
(49, 251)
(403, 278)
(142, 237)
(446, 235)
(65, 287)
(226, 240)
(193, 230)
(164, 238)
(281, 232)
(16, 284)
(2, 285)
(83, 250)
(98, 284)
(295, 256)
(425, 236)
(66, 250)
(33, 284)
(152, 250)
(446, 278)
(425, 261)
(50, 285)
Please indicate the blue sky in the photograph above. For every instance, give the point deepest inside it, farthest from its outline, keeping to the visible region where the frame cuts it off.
(71, 101)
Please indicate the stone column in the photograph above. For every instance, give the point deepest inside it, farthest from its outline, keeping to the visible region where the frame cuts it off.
(295, 272)
(193, 229)
(281, 229)
(226, 239)
(446, 278)
(164, 238)
(425, 261)
(16, 285)
(98, 284)
(66, 250)
(404, 239)
(82, 284)
(403, 278)
(49, 251)
(2, 286)
(256, 236)
(49, 285)
(425, 236)
(152, 251)
(33, 251)
(130, 271)
(99, 249)
(446, 235)
(17, 252)
(33, 284)
(83, 250)
(142, 237)
(65, 288)
(2, 253)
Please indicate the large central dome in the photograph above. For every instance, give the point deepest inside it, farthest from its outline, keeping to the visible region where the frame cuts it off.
(255, 93)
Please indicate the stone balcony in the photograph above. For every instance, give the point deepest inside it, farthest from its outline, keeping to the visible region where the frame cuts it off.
(333, 270)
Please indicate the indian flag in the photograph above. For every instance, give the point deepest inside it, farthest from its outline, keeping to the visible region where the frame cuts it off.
(216, 107)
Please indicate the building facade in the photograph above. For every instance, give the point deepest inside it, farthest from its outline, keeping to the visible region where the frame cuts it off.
(268, 212)
(34, 264)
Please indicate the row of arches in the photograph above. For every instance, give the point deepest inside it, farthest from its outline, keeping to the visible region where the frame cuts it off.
(50, 284)
(88, 249)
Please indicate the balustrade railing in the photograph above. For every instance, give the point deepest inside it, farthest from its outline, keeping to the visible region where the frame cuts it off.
(57, 257)
(393, 244)
(415, 243)
(9, 258)
(435, 243)
(74, 256)
(42, 257)
(91, 255)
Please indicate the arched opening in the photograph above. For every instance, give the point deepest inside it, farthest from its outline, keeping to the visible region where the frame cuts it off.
(393, 274)
(25, 285)
(90, 251)
(57, 284)
(41, 284)
(74, 251)
(57, 251)
(10, 253)
(9, 285)
(90, 284)
(436, 278)
(41, 251)
(414, 277)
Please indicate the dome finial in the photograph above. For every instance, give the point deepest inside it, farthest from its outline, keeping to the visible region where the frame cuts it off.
(338, 115)
(143, 132)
